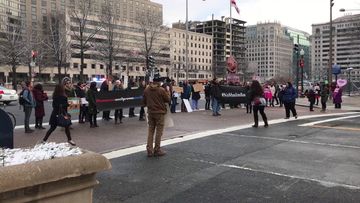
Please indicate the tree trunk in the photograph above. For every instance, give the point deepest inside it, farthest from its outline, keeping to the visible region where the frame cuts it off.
(59, 72)
(14, 77)
(81, 65)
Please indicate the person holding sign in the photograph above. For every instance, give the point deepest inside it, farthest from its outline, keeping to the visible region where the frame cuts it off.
(118, 112)
(155, 99)
(195, 96)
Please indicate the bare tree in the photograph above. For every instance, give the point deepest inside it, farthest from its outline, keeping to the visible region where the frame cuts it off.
(152, 29)
(56, 42)
(82, 32)
(12, 48)
(110, 47)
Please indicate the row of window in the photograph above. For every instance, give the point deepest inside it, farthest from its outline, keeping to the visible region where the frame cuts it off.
(196, 38)
(193, 76)
(116, 67)
(200, 60)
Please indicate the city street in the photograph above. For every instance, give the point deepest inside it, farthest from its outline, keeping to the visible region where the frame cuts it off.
(287, 162)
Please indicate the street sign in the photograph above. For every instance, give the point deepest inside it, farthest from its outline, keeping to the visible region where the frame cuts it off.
(336, 69)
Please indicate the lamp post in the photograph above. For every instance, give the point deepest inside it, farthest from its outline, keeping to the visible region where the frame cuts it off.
(349, 78)
(302, 52)
(330, 44)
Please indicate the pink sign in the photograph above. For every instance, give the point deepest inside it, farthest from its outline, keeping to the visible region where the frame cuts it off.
(341, 82)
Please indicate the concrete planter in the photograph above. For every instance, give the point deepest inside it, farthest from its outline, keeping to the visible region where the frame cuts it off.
(61, 180)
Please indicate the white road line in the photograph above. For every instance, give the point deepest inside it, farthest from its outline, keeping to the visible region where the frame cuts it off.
(328, 120)
(322, 182)
(296, 141)
(187, 137)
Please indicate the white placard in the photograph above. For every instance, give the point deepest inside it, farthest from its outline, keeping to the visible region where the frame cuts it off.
(187, 105)
(83, 101)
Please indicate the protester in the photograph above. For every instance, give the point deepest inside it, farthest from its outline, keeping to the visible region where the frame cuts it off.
(59, 104)
(248, 99)
(280, 95)
(174, 97)
(215, 97)
(118, 112)
(69, 88)
(28, 105)
(195, 97)
(317, 91)
(267, 95)
(207, 96)
(337, 97)
(155, 99)
(185, 95)
(105, 88)
(142, 110)
(310, 94)
(131, 85)
(92, 111)
(324, 97)
(258, 102)
(40, 96)
(273, 95)
(80, 93)
(289, 98)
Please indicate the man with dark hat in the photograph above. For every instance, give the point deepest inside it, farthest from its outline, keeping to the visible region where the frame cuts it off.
(155, 99)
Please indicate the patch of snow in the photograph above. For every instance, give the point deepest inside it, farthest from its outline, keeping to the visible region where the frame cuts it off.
(44, 151)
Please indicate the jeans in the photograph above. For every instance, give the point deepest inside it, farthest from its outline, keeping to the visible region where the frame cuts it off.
(207, 103)
(118, 115)
(215, 106)
(194, 105)
(173, 104)
(27, 110)
(82, 113)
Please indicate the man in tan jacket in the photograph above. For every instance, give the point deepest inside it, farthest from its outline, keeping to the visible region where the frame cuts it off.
(154, 99)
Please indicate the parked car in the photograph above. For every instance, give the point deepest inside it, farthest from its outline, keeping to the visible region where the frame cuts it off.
(7, 96)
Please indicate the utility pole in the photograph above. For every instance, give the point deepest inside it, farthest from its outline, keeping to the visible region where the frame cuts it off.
(330, 45)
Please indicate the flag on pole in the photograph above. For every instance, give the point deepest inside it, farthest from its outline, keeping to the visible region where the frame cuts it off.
(233, 3)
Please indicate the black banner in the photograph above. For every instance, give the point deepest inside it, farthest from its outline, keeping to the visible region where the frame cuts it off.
(119, 99)
(233, 95)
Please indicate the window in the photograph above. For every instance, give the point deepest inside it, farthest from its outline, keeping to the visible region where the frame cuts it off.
(84, 65)
(93, 66)
(101, 66)
(75, 65)
(137, 68)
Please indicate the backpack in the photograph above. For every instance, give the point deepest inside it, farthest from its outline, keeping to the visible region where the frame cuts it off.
(22, 101)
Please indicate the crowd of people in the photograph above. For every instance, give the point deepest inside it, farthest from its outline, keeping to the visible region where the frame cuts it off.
(258, 97)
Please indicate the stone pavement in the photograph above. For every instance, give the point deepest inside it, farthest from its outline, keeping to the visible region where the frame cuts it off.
(351, 103)
(131, 132)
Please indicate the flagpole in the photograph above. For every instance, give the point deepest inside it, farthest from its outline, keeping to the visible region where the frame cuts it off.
(230, 28)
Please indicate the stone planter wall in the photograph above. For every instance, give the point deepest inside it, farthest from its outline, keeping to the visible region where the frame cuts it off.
(61, 180)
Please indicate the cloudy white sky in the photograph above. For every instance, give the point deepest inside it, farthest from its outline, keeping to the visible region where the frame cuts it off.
(298, 14)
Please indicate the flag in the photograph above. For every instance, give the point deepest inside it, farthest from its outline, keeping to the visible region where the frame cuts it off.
(233, 3)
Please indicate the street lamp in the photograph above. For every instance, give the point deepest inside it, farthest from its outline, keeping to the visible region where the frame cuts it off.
(349, 78)
(302, 52)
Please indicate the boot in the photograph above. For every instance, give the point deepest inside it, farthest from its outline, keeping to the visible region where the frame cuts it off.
(159, 152)
(40, 124)
(266, 124)
(36, 123)
(150, 151)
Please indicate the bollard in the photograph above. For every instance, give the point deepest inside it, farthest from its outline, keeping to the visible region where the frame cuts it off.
(6, 131)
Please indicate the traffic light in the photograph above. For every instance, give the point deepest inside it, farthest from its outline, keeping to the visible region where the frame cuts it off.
(33, 55)
(151, 62)
(296, 48)
(156, 73)
(332, 3)
(301, 63)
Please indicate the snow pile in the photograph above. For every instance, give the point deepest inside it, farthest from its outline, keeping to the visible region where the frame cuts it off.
(51, 150)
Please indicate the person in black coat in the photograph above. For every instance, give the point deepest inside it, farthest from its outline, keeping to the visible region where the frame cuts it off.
(80, 93)
(105, 88)
(207, 96)
(59, 104)
(256, 94)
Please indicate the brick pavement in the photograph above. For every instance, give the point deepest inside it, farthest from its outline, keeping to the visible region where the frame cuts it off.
(132, 132)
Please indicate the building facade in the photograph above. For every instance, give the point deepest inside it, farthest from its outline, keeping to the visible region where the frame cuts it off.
(346, 47)
(269, 50)
(129, 62)
(302, 39)
(199, 55)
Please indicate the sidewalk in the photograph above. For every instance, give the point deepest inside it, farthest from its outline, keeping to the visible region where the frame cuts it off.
(349, 103)
(131, 132)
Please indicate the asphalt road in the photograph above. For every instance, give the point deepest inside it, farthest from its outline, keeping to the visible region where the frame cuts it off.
(283, 163)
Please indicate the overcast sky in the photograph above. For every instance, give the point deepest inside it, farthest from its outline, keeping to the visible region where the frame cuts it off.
(298, 14)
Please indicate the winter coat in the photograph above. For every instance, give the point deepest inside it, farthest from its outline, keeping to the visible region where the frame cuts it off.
(207, 91)
(29, 98)
(186, 92)
(310, 95)
(289, 95)
(194, 95)
(59, 105)
(337, 96)
(80, 92)
(90, 97)
(39, 97)
(324, 94)
(267, 93)
(155, 98)
(70, 92)
(215, 91)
